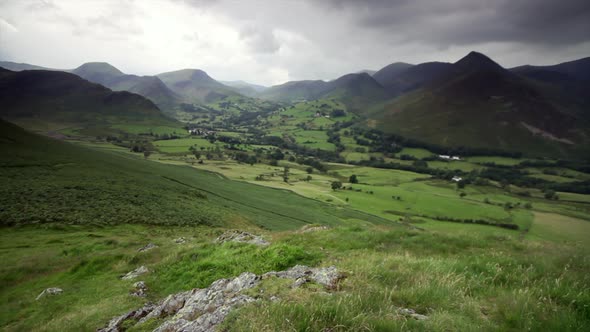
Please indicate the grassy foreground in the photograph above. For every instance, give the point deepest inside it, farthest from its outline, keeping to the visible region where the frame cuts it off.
(481, 279)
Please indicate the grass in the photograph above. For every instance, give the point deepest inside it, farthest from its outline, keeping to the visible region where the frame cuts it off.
(183, 144)
(481, 278)
(146, 129)
(46, 181)
(464, 282)
(563, 229)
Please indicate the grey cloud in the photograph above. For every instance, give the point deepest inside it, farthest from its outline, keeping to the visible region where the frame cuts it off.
(463, 22)
(260, 40)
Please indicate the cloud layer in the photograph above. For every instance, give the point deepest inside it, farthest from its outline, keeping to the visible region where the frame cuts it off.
(271, 42)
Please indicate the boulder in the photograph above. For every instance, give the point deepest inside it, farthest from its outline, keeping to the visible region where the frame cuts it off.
(180, 240)
(313, 228)
(140, 289)
(147, 247)
(411, 313)
(50, 291)
(135, 273)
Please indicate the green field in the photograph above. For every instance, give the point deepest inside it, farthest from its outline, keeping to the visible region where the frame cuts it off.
(182, 145)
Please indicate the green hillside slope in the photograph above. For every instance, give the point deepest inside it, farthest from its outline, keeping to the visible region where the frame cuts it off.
(45, 180)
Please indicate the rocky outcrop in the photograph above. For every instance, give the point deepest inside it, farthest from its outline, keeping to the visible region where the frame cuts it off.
(201, 310)
(135, 273)
(50, 291)
(243, 237)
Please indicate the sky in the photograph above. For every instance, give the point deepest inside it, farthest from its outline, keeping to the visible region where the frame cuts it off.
(271, 42)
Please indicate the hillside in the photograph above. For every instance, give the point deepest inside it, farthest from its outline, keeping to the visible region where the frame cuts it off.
(355, 90)
(195, 86)
(475, 102)
(57, 97)
(150, 87)
(67, 183)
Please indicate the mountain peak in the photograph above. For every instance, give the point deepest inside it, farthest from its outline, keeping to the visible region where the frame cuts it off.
(104, 68)
(477, 61)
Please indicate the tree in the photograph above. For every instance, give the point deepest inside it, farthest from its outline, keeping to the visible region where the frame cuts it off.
(336, 185)
(550, 194)
(309, 170)
(146, 154)
(420, 163)
(462, 194)
(461, 184)
(353, 179)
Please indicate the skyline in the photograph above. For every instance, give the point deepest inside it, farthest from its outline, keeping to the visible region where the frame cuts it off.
(271, 43)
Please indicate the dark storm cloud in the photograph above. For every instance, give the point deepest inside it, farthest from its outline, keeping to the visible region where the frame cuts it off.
(463, 22)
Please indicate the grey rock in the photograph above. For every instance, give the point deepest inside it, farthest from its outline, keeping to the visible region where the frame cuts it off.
(135, 273)
(140, 289)
(201, 310)
(313, 228)
(147, 247)
(180, 240)
(411, 313)
(329, 277)
(50, 291)
(243, 237)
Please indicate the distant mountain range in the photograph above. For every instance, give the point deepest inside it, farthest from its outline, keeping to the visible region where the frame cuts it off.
(166, 90)
(472, 102)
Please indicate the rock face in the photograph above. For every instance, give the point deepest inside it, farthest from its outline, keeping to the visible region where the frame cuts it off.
(50, 291)
(241, 236)
(147, 247)
(201, 310)
(135, 273)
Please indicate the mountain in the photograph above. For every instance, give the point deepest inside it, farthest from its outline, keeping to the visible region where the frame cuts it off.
(475, 102)
(402, 79)
(150, 87)
(366, 71)
(387, 74)
(59, 97)
(245, 88)
(577, 70)
(20, 66)
(98, 72)
(195, 86)
(356, 90)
